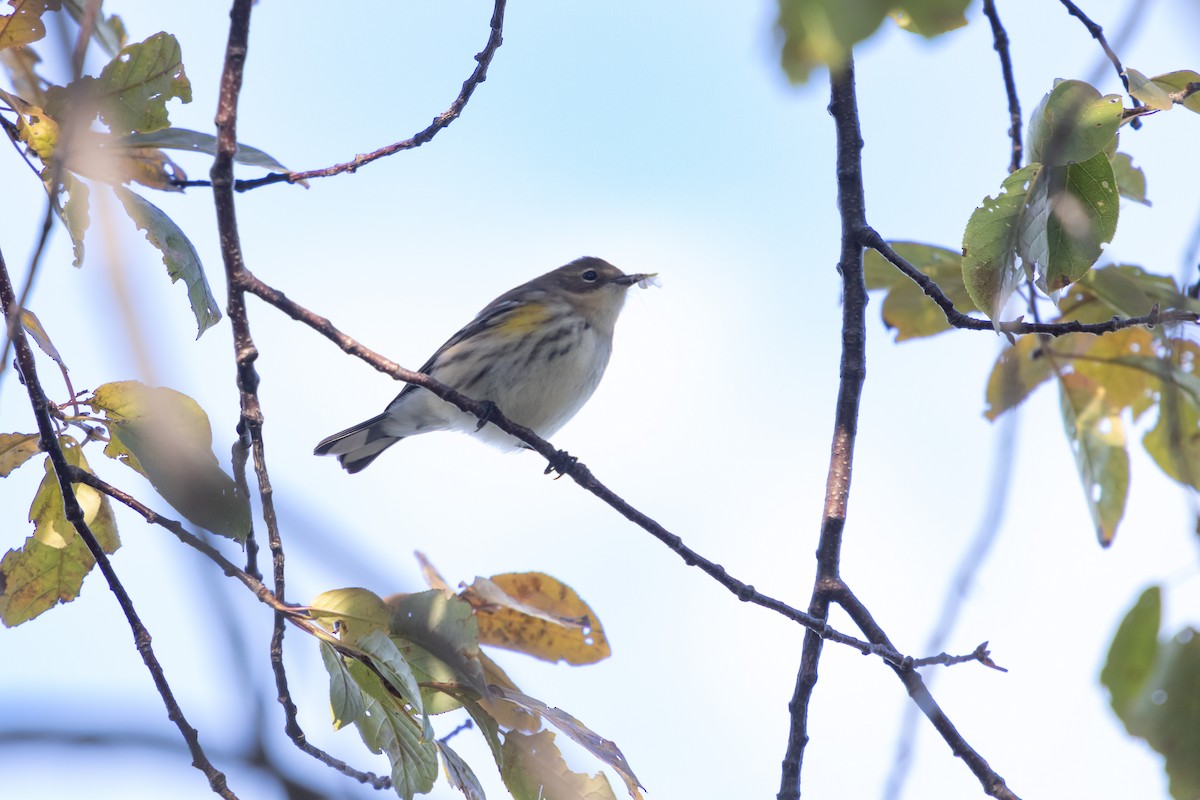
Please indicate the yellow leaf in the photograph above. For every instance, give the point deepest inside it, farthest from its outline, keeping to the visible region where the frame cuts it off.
(535, 614)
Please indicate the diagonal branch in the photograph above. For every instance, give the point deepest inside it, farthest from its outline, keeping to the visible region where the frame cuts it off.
(559, 461)
(1098, 34)
(74, 514)
(483, 60)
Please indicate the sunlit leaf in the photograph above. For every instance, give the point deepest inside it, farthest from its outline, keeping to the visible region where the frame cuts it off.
(1072, 124)
(352, 613)
(1149, 92)
(170, 436)
(391, 665)
(534, 769)
(33, 326)
(1174, 441)
(1156, 92)
(443, 627)
(178, 254)
(990, 244)
(1124, 364)
(133, 88)
(1177, 82)
(1071, 213)
(16, 449)
(603, 749)
(1019, 370)
(24, 23)
(533, 613)
(930, 18)
(1097, 437)
(50, 567)
(820, 33)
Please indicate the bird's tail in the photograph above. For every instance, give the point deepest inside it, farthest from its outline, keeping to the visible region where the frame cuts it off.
(358, 446)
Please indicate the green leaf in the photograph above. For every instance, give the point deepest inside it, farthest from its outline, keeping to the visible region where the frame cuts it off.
(907, 309)
(1174, 441)
(24, 24)
(818, 33)
(178, 254)
(1156, 92)
(346, 701)
(1134, 648)
(534, 769)
(390, 664)
(1151, 94)
(133, 88)
(197, 142)
(50, 567)
(603, 749)
(1131, 181)
(1097, 437)
(1019, 370)
(16, 449)
(930, 18)
(1072, 213)
(353, 613)
(459, 773)
(1155, 690)
(33, 326)
(169, 435)
(1177, 82)
(990, 243)
(386, 728)
(445, 635)
(1073, 123)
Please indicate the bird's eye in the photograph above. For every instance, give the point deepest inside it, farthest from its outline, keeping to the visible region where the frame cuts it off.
(590, 276)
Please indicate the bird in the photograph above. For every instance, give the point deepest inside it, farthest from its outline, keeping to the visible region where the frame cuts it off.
(536, 352)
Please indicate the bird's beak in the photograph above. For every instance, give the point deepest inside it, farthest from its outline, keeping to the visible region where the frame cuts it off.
(630, 280)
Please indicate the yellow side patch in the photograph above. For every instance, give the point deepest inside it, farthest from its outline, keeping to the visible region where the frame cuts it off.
(523, 320)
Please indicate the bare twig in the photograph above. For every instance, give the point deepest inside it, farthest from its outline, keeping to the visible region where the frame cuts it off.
(483, 60)
(957, 319)
(1000, 39)
(74, 514)
(1098, 34)
(993, 785)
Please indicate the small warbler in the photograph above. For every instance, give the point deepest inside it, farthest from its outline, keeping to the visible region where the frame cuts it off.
(537, 352)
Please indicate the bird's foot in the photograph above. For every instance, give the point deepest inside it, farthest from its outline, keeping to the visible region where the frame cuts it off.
(489, 411)
(561, 462)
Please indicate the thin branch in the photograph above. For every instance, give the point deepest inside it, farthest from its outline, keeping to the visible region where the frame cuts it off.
(74, 514)
(245, 354)
(871, 238)
(1000, 40)
(1098, 34)
(558, 459)
(993, 784)
(483, 60)
(852, 209)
